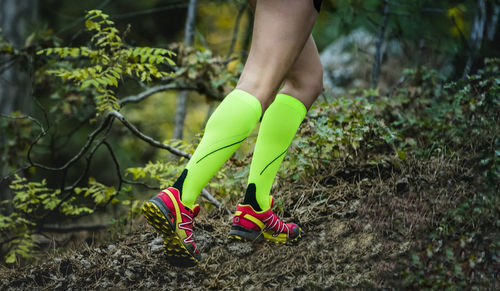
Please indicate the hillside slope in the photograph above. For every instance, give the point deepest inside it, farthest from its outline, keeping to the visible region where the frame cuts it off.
(358, 221)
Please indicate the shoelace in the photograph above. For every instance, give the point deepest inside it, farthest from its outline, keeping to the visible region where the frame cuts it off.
(188, 226)
(281, 226)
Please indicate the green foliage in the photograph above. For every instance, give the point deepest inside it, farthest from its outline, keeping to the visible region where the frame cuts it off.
(459, 117)
(201, 67)
(6, 47)
(106, 61)
(339, 130)
(467, 262)
(162, 173)
(100, 193)
(456, 116)
(19, 132)
(31, 202)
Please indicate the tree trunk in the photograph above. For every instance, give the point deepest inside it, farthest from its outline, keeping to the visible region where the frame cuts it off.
(493, 23)
(378, 53)
(476, 35)
(247, 38)
(180, 114)
(15, 15)
(15, 85)
(236, 29)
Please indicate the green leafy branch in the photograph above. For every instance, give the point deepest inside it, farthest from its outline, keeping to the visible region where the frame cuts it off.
(30, 202)
(108, 60)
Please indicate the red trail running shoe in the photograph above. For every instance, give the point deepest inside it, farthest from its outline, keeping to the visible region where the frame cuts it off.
(166, 213)
(251, 225)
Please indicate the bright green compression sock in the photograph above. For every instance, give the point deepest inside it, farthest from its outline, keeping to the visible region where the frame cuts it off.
(277, 129)
(229, 125)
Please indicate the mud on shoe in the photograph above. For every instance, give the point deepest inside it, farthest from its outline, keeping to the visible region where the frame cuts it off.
(250, 225)
(174, 221)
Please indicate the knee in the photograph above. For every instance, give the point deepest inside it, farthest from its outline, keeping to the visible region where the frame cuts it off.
(308, 84)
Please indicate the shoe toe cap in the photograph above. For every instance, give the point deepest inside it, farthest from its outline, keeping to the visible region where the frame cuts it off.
(295, 231)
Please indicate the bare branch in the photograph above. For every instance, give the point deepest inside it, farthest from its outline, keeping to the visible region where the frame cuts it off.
(87, 168)
(105, 126)
(174, 5)
(146, 138)
(83, 150)
(141, 96)
(158, 144)
(211, 198)
(24, 117)
(70, 189)
(8, 64)
(9, 176)
(73, 228)
(126, 181)
(117, 167)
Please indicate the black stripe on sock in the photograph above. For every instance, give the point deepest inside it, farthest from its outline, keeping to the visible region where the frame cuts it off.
(273, 161)
(213, 152)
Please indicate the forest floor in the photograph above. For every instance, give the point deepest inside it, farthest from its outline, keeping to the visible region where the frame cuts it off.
(359, 221)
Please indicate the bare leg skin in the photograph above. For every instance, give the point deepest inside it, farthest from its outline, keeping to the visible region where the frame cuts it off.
(304, 80)
(281, 32)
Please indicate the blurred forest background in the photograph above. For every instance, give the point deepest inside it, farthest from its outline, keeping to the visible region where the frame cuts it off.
(102, 103)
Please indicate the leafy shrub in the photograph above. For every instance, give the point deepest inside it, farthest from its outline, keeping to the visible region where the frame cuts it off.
(343, 129)
(463, 251)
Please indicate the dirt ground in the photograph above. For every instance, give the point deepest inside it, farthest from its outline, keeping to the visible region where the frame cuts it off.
(358, 221)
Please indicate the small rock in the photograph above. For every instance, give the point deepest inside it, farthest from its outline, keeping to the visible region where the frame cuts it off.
(148, 284)
(129, 274)
(86, 264)
(156, 248)
(126, 257)
(144, 237)
(111, 247)
(346, 214)
(117, 253)
(402, 186)
(205, 240)
(240, 249)
(156, 245)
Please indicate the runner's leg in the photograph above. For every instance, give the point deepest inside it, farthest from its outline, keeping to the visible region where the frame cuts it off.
(281, 29)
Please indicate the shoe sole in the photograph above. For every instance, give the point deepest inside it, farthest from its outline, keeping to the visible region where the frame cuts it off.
(177, 254)
(242, 234)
